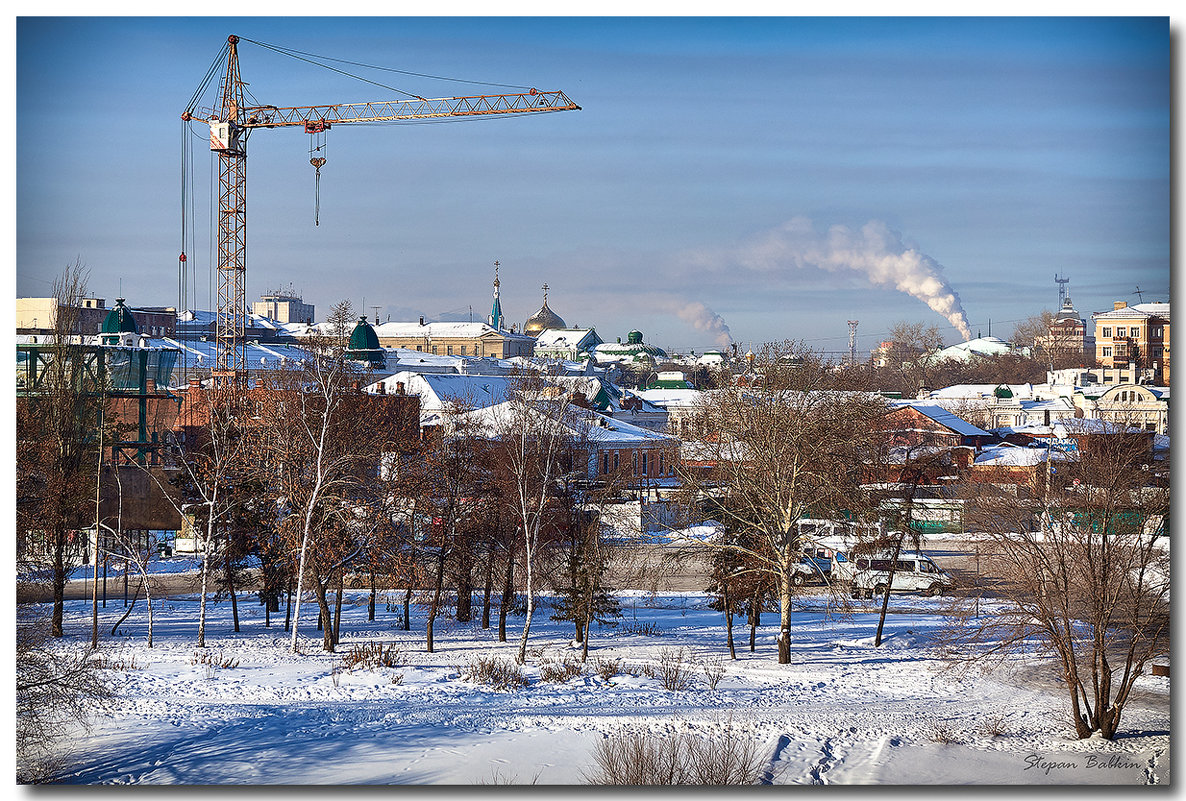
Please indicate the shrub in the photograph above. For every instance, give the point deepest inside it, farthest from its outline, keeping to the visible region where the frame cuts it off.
(714, 671)
(672, 670)
(501, 674)
(211, 659)
(993, 724)
(636, 758)
(370, 655)
(550, 670)
(607, 668)
(646, 629)
(941, 731)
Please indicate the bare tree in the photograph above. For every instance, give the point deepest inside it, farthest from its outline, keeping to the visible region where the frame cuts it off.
(1083, 572)
(532, 433)
(784, 448)
(58, 422)
(55, 686)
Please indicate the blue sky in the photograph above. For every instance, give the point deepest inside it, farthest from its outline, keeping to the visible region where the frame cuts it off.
(778, 176)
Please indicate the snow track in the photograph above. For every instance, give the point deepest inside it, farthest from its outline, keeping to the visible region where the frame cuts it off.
(843, 712)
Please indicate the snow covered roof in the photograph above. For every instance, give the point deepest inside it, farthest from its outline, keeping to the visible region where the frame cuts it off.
(438, 390)
(597, 428)
(563, 337)
(949, 420)
(981, 346)
(1135, 311)
(1015, 456)
(956, 391)
(398, 330)
(666, 398)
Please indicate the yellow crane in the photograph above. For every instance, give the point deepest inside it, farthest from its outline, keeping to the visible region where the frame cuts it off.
(232, 121)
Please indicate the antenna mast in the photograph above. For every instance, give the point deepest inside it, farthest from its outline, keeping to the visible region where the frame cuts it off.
(852, 341)
(1062, 289)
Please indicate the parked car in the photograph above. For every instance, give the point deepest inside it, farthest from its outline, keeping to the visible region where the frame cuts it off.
(913, 572)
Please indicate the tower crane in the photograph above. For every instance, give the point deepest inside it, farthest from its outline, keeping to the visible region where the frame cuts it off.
(232, 122)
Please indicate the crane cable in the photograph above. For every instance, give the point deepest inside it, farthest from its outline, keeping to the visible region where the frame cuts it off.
(309, 58)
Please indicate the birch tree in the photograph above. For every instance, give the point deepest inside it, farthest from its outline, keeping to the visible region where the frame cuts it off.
(533, 435)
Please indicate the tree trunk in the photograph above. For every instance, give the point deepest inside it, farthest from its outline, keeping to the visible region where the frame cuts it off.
(288, 605)
(508, 593)
(465, 587)
(408, 607)
(327, 636)
(529, 590)
(889, 588)
(59, 584)
(436, 599)
(488, 588)
(371, 602)
(230, 583)
(755, 620)
(784, 624)
(728, 620)
(338, 608)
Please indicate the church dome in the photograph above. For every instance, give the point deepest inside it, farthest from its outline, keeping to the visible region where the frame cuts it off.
(364, 345)
(543, 319)
(120, 320)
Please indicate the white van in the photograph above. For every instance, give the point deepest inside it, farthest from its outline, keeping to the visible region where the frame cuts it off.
(913, 572)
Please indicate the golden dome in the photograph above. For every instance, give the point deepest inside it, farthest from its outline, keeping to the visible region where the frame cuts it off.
(543, 319)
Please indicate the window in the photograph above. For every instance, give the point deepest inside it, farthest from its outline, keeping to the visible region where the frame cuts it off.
(634, 462)
(604, 463)
(1155, 332)
(661, 471)
(1106, 351)
(463, 350)
(644, 463)
(1107, 331)
(448, 350)
(1134, 332)
(617, 460)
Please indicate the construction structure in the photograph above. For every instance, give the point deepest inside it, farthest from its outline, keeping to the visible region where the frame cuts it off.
(231, 123)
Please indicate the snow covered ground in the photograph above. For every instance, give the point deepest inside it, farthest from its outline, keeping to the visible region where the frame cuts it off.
(843, 712)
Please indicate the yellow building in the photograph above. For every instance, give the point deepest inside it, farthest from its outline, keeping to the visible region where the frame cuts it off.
(1138, 335)
(473, 340)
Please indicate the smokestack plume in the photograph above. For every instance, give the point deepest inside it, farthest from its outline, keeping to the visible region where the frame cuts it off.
(874, 251)
(704, 319)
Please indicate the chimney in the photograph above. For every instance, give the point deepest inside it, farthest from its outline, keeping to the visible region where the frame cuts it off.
(399, 387)
(150, 386)
(421, 321)
(382, 388)
(1120, 304)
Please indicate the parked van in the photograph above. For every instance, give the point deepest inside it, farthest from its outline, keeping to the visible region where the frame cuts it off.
(913, 572)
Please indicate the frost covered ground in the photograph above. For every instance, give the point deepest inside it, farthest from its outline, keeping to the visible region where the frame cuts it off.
(843, 712)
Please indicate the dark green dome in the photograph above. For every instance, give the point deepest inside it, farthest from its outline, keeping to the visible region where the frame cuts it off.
(364, 345)
(120, 320)
(363, 337)
(634, 337)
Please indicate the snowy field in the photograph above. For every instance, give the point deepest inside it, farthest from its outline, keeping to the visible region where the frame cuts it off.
(843, 712)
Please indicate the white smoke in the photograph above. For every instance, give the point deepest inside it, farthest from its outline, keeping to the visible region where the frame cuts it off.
(702, 318)
(874, 251)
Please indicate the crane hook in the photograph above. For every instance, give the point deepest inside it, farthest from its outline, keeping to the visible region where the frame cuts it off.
(318, 162)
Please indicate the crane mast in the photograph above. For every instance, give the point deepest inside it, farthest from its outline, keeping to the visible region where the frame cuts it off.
(230, 124)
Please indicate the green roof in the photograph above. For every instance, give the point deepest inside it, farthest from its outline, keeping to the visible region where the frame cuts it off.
(120, 320)
(364, 344)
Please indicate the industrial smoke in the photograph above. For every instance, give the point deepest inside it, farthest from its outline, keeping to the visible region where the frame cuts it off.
(703, 319)
(874, 251)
